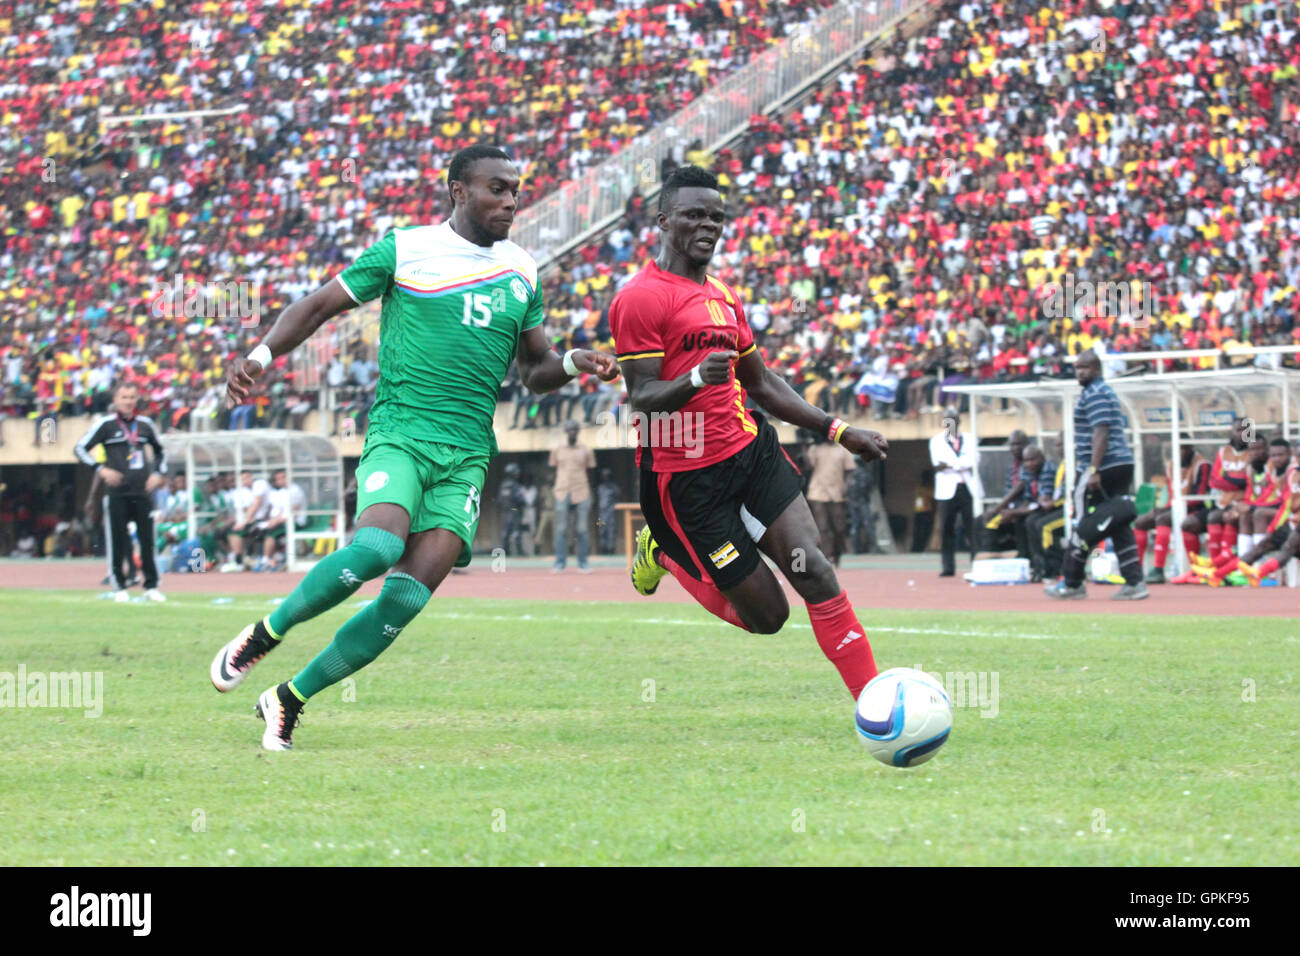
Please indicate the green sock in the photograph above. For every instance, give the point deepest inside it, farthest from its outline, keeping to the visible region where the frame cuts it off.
(365, 636)
(336, 577)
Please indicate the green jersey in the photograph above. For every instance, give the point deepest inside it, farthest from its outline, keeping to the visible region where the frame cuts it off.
(449, 328)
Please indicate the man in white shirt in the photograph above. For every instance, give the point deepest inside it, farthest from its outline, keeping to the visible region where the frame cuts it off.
(957, 486)
(287, 503)
(252, 504)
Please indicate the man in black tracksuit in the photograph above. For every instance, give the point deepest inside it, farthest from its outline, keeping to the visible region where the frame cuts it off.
(131, 476)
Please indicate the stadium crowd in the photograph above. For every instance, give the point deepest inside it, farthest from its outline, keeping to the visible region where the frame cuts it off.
(342, 119)
(932, 214)
(885, 235)
(899, 228)
(1016, 184)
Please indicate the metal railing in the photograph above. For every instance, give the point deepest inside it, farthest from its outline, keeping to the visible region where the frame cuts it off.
(594, 200)
(1236, 353)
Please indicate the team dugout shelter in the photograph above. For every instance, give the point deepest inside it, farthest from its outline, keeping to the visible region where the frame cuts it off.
(1159, 408)
(310, 461)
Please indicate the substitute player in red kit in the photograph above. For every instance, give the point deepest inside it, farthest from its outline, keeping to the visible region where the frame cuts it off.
(716, 486)
(1194, 476)
(1220, 522)
(1271, 484)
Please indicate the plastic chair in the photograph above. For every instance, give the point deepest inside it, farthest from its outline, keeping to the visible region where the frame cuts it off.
(1145, 499)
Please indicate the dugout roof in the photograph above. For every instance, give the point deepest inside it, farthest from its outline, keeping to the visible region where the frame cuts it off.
(309, 461)
(1159, 409)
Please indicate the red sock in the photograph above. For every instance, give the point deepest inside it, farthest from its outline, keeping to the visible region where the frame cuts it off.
(843, 640)
(1225, 558)
(1191, 543)
(1214, 536)
(705, 592)
(1229, 538)
(1268, 567)
(1229, 565)
(1163, 534)
(1142, 544)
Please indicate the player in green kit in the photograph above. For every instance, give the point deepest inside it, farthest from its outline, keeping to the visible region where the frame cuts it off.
(460, 302)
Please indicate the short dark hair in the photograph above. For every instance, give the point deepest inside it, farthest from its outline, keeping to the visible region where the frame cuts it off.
(1280, 442)
(122, 383)
(685, 177)
(467, 157)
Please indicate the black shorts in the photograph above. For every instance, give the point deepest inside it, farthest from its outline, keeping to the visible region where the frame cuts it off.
(709, 520)
(1277, 540)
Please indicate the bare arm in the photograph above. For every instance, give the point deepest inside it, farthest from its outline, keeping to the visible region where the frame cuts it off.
(772, 394)
(542, 370)
(295, 325)
(1100, 438)
(1010, 496)
(648, 393)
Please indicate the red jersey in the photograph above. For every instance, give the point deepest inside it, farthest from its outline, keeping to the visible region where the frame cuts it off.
(1229, 474)
(661, 315)
(1290, 508)
(1265, 489)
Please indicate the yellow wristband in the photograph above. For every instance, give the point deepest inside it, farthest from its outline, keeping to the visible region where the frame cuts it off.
(839, 432)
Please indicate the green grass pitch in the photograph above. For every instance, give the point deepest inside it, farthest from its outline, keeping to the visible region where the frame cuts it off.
(505, 732)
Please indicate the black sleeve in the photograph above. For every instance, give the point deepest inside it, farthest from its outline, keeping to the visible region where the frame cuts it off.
(89, 441)
(160, 459)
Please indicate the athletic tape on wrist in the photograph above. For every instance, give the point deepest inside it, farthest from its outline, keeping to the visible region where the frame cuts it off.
(696, 378)
(261, 355)
(570, 369)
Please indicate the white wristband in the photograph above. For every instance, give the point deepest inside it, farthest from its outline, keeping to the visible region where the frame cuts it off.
(696, 378)
(570, 369)
(261, 355)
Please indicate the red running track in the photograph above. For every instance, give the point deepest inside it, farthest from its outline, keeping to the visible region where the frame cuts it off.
(868, 587)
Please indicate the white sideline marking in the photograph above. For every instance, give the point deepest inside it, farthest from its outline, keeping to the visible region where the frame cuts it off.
(677, 622)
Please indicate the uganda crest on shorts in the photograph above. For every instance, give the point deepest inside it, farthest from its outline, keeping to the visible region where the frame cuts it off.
(450, 325)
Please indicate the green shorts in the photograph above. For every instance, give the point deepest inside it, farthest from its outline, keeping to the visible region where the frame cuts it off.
(440, 486)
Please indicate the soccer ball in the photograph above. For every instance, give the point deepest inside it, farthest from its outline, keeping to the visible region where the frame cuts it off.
(903, 717)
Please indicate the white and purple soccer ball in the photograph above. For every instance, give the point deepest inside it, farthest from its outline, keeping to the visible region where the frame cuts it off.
(903, 717)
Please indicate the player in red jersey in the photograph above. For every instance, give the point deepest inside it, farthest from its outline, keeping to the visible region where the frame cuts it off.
(1228, 477)
(1220, 523)
(1284, 532)
(716, 486)
(1194, 477)
(1268, 498)
(1265, 489)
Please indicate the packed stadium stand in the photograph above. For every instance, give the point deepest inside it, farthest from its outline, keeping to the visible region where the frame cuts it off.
(907, 221)
(899, 224)
(974, 200)
(344, 118)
